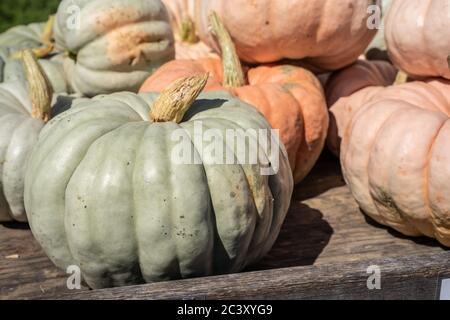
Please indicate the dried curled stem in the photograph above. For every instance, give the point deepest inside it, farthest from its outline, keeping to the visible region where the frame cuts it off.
(175, 100)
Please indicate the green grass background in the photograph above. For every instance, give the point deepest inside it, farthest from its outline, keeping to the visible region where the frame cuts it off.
(14, 12)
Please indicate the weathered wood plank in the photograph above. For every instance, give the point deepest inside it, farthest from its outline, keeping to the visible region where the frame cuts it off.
(324, 230)
(401, 278)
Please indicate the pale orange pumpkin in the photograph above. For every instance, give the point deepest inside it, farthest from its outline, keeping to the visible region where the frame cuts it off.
(187, 43)
(417, 36)
(348, 89)
(290, 97)
(395, 156)
(328, 34)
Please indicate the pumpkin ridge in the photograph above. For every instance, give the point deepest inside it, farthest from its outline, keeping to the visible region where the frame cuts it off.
(217, 264)
(345, 156)
(60, 260)
(18, 147)
(249, 184)
(396, 211)
(427, 178)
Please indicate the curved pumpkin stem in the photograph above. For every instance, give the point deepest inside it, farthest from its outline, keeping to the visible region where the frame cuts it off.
(176, 99)
(46, 39)
(187, 31)
(47, 35)
(39, 86)
(233, 75)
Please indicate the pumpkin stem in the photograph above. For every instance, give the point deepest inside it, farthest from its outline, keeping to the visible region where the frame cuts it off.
(401, 78)
(47, 35)
(46, 39)
(187, 31)
(176, 99)
(233, 75)
(40, 89)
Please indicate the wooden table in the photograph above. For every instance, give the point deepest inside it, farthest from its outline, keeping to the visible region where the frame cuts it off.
(324, 250)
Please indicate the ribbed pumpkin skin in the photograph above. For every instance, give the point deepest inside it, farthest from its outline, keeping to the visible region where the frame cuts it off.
(11, 70)
(348, 90)
(291, 99)
(18, 135)
(29, 36)
(328, 34)
(179, 10)
(417, 36)
(24, 36)
(118, 44)
(117, 206)
(396, 158)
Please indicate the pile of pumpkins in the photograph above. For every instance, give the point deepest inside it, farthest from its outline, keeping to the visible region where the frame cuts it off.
(89, 102)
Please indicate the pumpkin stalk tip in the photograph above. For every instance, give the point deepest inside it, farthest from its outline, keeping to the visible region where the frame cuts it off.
(401, 78)
(39, 86)
(187, 31)
(47, 35)
(176, 99)
(233, 75)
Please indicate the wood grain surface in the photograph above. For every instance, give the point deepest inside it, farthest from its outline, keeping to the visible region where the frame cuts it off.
(323, 251)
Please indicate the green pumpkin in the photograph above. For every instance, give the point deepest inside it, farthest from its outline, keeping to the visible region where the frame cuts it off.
(25, 36)
(36, 36)
(102, 191)
(21, 120)
(114, 45)
(11, 69)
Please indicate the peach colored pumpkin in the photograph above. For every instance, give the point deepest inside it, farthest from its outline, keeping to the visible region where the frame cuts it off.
(417, 35)
(187, 44)
(348, 89)
(395, 156)
(290, 97)
(328, 34)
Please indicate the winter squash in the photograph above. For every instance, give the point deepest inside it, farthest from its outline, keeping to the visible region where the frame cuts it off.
(395, 158)
(112, 45)
(39, 38)
(11, 69)
(417, 36)
(348, 90)
(21, 119)
(291, 98)
(328, 34)
(187, 43)
(120, 206)
(377, 49)
(23, 36)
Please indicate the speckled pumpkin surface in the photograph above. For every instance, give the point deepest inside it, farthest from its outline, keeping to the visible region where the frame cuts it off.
(117, 206)
(114, 45)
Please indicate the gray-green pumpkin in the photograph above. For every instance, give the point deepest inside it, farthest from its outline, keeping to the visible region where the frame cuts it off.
(114, 45)
(36, 36)
(24, 36)
(21, 119)
(11, 69)
(103, 192)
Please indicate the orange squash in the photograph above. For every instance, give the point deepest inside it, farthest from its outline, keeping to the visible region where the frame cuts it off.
(348, 89)
(290, 97)
(417, 35)
(187, 43)
(395, 156)
(329, 34)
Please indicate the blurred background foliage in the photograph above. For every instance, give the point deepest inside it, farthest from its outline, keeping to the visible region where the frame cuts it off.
(14, 12)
